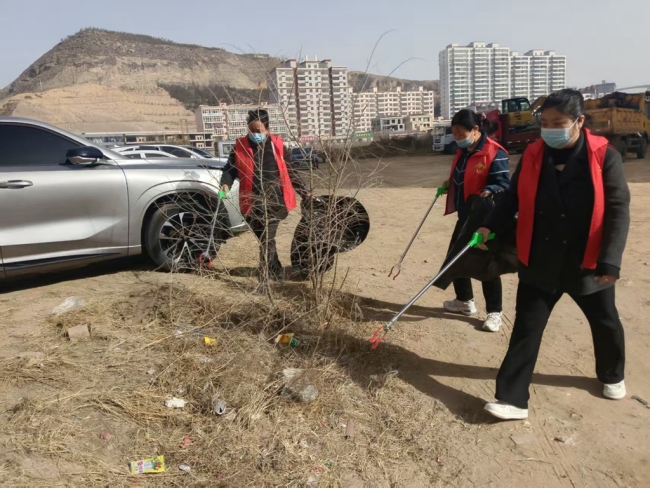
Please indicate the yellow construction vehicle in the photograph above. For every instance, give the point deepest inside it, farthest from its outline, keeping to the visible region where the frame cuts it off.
(624, 119)
(514, 126)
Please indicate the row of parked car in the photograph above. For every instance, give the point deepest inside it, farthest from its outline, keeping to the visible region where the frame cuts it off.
(164, 151)
(300, 157)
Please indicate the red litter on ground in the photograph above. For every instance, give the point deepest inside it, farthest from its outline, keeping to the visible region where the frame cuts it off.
(187, 442)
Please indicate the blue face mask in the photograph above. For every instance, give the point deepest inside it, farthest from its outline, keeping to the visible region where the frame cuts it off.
(257, 138)
(558, 138)
(465, 143)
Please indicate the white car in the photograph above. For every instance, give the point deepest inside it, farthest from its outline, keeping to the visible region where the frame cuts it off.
(146, 154)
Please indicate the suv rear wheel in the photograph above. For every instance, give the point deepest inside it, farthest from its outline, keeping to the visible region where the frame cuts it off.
(177, 237)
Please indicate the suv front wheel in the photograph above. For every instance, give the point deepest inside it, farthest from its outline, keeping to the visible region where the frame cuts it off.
(178, 238)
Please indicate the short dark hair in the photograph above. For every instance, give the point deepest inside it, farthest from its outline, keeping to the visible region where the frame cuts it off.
(468, 119)
(568, 102)
(259, 114)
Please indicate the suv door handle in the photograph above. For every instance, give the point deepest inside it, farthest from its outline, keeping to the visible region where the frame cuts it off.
(15, 184)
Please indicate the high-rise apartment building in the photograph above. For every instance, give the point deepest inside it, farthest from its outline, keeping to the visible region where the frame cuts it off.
(313, 96)
(364, 109)
(537, 73)
(481, 73)
(369, 105)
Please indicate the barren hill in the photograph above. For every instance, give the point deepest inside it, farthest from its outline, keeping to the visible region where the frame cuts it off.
(103, 81)
(365, 81)
(98, 81)
(134, 61)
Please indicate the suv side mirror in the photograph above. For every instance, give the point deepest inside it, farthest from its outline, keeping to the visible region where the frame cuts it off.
(84, 155)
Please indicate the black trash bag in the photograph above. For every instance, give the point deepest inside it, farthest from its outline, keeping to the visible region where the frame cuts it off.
(328, 226)
(501, 256)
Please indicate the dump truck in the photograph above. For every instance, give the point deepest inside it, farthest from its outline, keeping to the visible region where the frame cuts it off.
(624, 119)
(514, 126)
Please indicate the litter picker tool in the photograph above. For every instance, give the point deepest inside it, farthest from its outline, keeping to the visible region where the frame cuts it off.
(204, 258)
(398, 266)
(377, 338)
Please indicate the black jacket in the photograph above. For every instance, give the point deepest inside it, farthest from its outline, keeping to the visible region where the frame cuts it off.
(266, 179)
(563, 212)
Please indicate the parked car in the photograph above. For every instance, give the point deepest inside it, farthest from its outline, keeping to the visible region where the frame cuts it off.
(178, 151)
(146, 154)
(199, 152)
(305, 157)
(67, 202)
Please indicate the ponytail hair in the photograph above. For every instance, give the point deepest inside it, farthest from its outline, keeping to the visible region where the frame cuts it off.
(468, 119)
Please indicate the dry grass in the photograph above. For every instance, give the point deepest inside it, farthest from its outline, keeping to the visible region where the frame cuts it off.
(118, 383)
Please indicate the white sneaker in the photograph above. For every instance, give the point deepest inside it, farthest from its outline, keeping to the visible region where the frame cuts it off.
(504, 411)
(615, 392)
(493, 322)
(456, 306)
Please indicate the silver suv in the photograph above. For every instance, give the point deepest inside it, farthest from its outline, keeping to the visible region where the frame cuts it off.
(66, 202)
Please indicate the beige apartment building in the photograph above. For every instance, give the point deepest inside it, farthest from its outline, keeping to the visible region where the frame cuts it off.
(228, 122)
(371, 105)
(313, 97)
(418, 122)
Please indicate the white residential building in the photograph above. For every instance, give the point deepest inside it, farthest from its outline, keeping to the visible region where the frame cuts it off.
(398, 103)
(364, 110)
(230, 121)
(313, 96)
(537, 73)
(481, 73)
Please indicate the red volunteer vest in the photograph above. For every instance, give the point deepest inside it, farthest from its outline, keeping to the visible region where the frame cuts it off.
(477, 170)
(246, 168)
(531, 166)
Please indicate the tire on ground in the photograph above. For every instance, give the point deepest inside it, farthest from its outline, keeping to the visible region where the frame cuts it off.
(643, 148)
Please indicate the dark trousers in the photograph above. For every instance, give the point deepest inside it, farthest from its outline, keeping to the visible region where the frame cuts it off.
(492, 291)
(265, 230)
(533, 311)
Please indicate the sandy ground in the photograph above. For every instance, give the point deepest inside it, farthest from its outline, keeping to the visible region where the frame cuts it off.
(573, 438)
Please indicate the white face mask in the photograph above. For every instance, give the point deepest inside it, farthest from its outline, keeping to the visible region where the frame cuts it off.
(558, 138)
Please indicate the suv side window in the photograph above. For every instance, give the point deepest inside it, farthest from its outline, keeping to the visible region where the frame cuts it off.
(24, 145)
(181, 153)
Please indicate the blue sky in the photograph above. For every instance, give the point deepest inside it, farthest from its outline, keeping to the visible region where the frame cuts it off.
(603, 39)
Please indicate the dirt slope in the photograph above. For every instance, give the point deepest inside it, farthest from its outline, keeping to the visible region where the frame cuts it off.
(97, 108)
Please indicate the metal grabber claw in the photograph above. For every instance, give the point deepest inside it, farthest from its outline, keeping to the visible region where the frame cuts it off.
(441, 191)
(475, 241)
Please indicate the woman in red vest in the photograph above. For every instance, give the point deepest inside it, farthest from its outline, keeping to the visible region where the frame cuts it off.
(266, 187)
(573, 203)
(481, 168)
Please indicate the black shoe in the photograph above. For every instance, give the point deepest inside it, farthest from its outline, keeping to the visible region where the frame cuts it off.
(277, 273)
